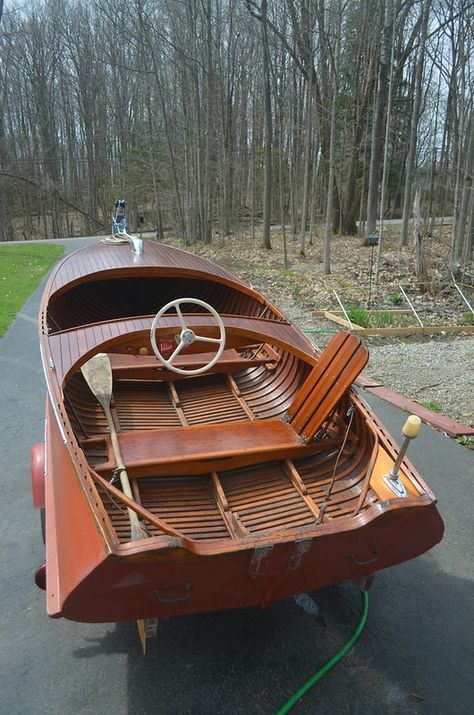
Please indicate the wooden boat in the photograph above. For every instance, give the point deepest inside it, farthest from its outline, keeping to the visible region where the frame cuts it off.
(253, 469)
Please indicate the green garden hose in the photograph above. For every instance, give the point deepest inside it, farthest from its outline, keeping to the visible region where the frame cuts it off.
(331, 663)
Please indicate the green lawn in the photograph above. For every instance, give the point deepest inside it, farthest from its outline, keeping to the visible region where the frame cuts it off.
(22, 267)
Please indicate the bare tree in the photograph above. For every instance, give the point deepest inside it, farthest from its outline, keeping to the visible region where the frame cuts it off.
(415, 118)
(336, 31)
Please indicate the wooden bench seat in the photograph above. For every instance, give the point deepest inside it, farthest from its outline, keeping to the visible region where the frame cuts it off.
(129, 367)
(206, 448)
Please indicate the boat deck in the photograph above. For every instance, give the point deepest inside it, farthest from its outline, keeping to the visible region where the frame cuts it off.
(270, 497)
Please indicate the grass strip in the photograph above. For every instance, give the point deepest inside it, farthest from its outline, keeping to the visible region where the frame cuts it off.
(22, 266)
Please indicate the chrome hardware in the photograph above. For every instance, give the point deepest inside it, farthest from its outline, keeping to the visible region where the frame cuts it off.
(393, 482)
(392, 479)
(151, 626)
(137, 244)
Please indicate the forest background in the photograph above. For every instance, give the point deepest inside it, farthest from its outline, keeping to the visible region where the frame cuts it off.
(211, 117)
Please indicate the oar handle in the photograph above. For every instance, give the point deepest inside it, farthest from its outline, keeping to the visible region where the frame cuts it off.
(136, 529)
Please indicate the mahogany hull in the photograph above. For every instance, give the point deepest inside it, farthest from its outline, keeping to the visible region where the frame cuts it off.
(160, 585)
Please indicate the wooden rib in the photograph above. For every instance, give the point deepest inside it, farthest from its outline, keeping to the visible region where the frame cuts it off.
(237, 394)
(301, 487)
(131, 504)
(265, 498)
(368, 474)
(177, 405)
(187, 504)
(219, 492)
(232, 520)
(269, 393)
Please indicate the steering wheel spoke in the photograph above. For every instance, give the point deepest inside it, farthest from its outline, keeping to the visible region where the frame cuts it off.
(180, 317)
(187, 336)
(175, 352)
(204, 339)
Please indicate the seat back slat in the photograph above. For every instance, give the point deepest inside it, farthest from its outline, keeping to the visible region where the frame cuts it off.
(339, 365)
(325, 359)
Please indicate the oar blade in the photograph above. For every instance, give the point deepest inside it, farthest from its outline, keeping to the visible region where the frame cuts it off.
(98, 374)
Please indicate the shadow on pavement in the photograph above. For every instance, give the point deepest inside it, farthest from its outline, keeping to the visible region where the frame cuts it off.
(411, 658)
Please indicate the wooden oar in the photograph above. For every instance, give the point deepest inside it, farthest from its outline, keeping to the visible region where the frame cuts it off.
(98, 375)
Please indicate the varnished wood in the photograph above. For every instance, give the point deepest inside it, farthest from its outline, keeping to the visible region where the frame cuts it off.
(72, 348)
(198, 449)
(229, 470)
(339, 365)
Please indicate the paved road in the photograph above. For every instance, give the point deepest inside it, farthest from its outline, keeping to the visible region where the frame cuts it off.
(415, 656)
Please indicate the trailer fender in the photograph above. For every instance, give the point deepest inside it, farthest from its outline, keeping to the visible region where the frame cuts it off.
(37, 475)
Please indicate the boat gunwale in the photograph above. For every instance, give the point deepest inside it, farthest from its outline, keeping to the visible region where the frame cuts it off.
(220, 547)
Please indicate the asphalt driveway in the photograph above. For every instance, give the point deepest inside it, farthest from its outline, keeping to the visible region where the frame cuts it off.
(416, 654)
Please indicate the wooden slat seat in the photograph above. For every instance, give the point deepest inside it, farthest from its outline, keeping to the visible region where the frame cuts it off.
(337, 368)
(206, 448)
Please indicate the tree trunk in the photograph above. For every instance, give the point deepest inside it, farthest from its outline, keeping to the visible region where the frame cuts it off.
(382, 87)
(332, 144)
(421, 273)
(460, 234)
(306, 169)
(415, 118)
(267, 188)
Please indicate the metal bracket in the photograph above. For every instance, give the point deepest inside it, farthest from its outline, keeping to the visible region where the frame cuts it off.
(301, 549)
(304, 438)
(174, 595)
(285, 417)
(374, 557)
(151, 625)
(261, 557)
(397, 486)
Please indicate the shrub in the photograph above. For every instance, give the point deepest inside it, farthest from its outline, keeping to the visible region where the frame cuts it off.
(467, 318)
(379, 319)
(358, 315)
(431, 405)
(383, 319)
